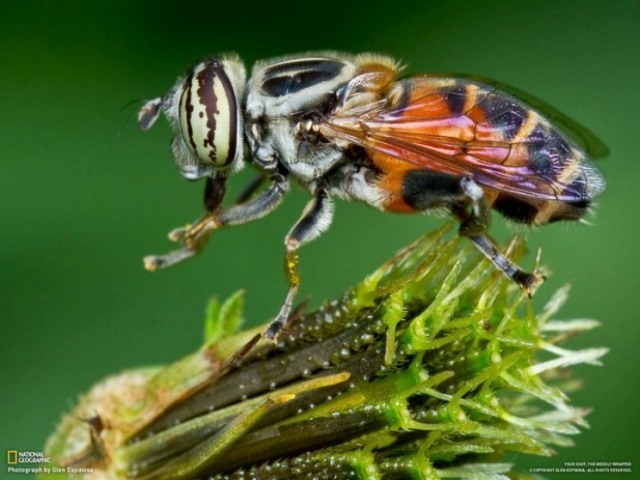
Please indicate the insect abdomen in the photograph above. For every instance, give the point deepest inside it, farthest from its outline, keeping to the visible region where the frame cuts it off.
(414, 190)
(532, 212)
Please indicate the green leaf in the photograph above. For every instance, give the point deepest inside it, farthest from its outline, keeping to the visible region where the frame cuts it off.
(223, 320)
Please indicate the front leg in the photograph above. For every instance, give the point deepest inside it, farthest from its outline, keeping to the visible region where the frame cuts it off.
(214, 191)
(316, 219)
(194, 237)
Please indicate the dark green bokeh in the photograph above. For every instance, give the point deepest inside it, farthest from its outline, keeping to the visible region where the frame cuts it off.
(85, 195)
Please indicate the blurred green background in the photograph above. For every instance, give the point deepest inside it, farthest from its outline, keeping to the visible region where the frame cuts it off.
(84, 195)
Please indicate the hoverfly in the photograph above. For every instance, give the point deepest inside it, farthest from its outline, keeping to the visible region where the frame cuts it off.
(347, 126)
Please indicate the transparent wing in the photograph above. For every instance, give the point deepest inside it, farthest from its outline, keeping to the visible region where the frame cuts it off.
(464, 127)
(584, 137)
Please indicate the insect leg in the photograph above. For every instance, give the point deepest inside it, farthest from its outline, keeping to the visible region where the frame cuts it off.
(214, 191)
(315, 219)
(527, 281)
(479, 220)
(258, 207)
(474, 227)
(250, 189)
(196, 236)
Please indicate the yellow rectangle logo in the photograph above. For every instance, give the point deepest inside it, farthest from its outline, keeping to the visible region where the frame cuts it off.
(12, 457)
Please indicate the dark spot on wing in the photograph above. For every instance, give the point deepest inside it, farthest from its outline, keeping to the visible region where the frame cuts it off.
(538, 134)
(541, 162)
(545, 159)
(504, 112)
(558, 141)
(510, 122)
(546, 133)
(578, 189)
(455, 98)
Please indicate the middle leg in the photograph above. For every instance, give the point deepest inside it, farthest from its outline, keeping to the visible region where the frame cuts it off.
(316, 219)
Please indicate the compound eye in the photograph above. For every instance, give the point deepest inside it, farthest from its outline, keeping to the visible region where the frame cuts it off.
(208, 115)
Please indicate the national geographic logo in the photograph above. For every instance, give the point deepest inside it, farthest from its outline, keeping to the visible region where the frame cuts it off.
(16, 457)
(37, 463)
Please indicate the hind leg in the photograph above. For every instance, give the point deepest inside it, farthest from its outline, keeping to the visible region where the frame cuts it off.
(424, 190)
(475, 226)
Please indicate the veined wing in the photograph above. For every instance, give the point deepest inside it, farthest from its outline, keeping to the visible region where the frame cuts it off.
(464, 127)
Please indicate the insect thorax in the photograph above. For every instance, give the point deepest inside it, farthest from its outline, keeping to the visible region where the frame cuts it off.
(283, 99)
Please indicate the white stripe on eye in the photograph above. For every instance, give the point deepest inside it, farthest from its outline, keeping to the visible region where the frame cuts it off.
(224, 117)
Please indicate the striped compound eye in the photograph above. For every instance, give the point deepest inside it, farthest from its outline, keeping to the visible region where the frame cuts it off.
(209, 116)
